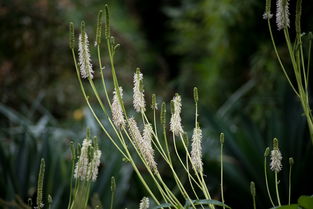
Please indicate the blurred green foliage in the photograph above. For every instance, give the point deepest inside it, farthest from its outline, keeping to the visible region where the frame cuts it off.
(221, 46)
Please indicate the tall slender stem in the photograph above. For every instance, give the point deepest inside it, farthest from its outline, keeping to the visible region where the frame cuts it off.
(222, 190)
(276, 186)
(266, 182)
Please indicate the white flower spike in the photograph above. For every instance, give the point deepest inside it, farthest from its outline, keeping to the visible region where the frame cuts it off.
(138, 96)
(117, 111)
(196, 150)
(175, 123)
(282, 14)
(84, 55)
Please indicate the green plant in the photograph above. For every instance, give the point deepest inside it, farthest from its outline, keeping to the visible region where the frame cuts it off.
(301, 68)
(127, 136)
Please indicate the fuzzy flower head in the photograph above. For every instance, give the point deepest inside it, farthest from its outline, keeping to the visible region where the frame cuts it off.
(282, 14)
(84, 56)
(276, 160)
(93, 166)
(117, 111)
(149, 152)
(143, 144)
(144, 204)
(81, 168)
(175, 123)
(86, 168)
(276, 157)
(138, 96)
(196, 150)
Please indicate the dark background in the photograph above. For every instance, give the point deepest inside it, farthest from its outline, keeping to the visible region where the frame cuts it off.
(222, 47)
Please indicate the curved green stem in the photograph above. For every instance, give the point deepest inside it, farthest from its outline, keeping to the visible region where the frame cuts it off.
(266, 182)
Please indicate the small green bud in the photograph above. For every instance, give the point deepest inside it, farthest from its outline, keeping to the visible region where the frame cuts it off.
(154, 104)
(88, 133)
(222, 138)
(49, 199)
(112, 40)
(252, 189)
(71, 36)
(113, 184)
(275, 144)
(107, 22)
(99, 28)
(30, 202)
(291, 161)
(267, 152)
(172, 107)
(82, 26)
(137, 71)
(195, 94)
(298, 17)
(83, 31)
(163, 114)
(78, 148)
(95, 143)
(268, 6)
(90, 153)
(73, 150)
(40, 183)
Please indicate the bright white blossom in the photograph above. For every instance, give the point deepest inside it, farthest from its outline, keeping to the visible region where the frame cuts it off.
(144, 204)
(84, 57)
(138, 96)
(196, 150)
(117, 111)
(282, 14)
(81, 168)
(175, 123)
(87, 169)
(276, 160)
(143, 144)
(149, 152)
(93, 165)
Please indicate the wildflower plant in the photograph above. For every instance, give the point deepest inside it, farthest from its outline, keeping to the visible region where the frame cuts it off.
(85, 166)
(300, 59)
(141, 140)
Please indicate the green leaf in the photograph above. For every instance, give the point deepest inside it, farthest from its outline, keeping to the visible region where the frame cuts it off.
(306, 201)
(164, 205)
(293, 206)
(205, 202)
